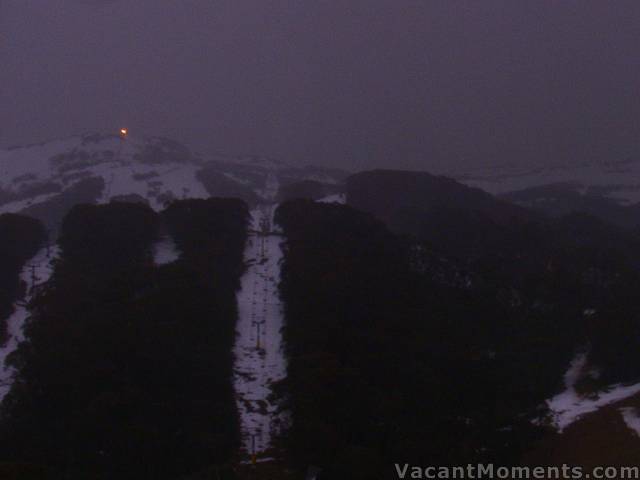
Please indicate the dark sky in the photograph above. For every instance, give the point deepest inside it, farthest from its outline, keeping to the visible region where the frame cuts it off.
(421, 84)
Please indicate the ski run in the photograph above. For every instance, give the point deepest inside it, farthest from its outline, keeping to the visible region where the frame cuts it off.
(35, 272)
(259, 353)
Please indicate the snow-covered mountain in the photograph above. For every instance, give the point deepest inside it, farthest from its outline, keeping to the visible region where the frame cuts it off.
(46, 179)
(615, 180)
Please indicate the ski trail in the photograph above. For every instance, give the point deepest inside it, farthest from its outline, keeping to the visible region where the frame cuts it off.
(258, 350)
(259, 353)
(36, 271)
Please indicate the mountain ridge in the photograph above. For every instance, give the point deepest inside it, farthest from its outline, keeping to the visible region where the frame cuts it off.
(154, 170)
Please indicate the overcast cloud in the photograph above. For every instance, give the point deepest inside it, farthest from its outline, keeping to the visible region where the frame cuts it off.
(359, 83)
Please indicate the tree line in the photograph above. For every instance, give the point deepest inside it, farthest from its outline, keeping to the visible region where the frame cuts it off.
(389, 362)
(126, 371)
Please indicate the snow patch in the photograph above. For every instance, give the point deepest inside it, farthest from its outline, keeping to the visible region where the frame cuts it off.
(36, 271)
(271, 187)
(259, 352)
(155, 169)
(18, 205)
(165, 251)
(631, 418)
(337, 198)
(570, 406)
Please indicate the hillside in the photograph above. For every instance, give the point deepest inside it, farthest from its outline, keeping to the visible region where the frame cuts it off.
(47, 179)
(423, 303)
(392, 194)
(617, 180)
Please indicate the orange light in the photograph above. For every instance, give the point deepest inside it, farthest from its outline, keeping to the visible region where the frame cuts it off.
(124, 132)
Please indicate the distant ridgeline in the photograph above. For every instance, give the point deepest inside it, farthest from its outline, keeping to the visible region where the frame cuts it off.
(127, 367)
(20, 239)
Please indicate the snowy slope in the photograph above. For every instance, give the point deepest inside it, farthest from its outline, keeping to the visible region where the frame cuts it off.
(340, 198)
(570, 406)
(631, 419)
(259, 351)
(36, 271)
(154, 170)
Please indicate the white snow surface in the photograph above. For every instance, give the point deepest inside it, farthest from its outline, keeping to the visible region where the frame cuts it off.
(156, 169)
(631, 419)
(271, 187)
(259, 352)
(36, 271)
(114, 159)
(337, 198)
(569, 406)
(165, 251)
(18, 205)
